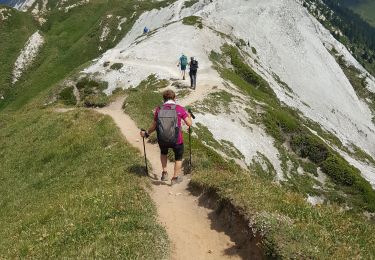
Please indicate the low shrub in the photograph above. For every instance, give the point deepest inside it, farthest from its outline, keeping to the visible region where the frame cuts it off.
(91, 92)
(309, 146)
(97, 100)
(285, 120)
(245, 71)
(67, 96)
(339, 170)
(309, 167)
(193, 21)
(190, 3)
(87, 82)
(116, 66)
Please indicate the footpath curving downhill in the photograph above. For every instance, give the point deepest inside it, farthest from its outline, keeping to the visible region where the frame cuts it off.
(190, 227)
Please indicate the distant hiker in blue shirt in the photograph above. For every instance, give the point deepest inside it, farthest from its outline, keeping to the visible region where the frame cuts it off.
(182, 64)
(145, 30)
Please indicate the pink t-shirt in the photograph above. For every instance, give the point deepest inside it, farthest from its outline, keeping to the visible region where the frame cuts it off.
(181, 115)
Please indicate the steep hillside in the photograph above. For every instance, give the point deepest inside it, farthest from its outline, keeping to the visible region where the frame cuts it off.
(72, 34)
(15, 29)
(348, 28)
(365, 8)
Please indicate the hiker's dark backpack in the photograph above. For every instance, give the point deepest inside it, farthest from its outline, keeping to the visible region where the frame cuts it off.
(194, 66)
(167, 126)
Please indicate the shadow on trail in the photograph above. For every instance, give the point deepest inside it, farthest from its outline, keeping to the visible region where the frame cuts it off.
(159, 183)
(227, 219)
(140, 171)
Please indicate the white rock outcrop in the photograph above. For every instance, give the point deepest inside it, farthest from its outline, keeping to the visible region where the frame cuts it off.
(27, 55)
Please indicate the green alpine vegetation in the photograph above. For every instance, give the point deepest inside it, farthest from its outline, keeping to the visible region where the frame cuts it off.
(190, 3)
(365, 8)
(287, 126)
(72, 40)
(14, 32)
(193, 21)
(348, 27)
(71, 187)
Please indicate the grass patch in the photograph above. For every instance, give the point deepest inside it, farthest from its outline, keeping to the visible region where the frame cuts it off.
(91, 92)
(71, 188)
(245, 71)
(67, 96)
(116, 66)
(263, 167)
(215, 103)
(361, 155)
(358, 82)
(97, 100)
(190, 3)
(193, 21)
(283, 84)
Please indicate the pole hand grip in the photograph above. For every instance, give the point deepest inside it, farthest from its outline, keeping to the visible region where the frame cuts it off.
(191, 113)
(146, 134)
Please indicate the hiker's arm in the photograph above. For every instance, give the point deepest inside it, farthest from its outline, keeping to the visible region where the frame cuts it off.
(150, 130)
(152, 127)
(188, 120)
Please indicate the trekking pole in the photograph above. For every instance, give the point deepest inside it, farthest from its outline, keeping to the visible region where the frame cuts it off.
(192, 115)
(144, 149)
(190, 147)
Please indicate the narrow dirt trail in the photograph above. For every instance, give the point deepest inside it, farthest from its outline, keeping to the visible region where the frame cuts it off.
(189, 226)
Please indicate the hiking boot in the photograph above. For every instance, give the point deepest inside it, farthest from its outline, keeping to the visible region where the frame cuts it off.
(183, 78)
(164, 176)
(176, 180)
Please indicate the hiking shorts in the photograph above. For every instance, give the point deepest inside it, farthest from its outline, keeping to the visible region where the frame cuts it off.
(178, 151)
(183, 67)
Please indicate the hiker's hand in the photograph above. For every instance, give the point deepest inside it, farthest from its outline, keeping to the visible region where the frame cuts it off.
(143, 134)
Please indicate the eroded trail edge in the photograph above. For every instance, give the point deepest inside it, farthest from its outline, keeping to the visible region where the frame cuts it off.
(190, 227)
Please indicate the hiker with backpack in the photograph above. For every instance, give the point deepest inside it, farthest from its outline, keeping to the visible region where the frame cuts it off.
(167, 123)
(183, 62)
(193, 65)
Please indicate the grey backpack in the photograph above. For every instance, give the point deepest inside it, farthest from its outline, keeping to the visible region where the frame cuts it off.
(167, 127)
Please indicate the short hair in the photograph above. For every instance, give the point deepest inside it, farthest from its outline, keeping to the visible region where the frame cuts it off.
(169, 95)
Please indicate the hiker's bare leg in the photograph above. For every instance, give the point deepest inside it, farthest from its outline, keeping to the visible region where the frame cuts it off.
(164, 160)
(177, 168)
